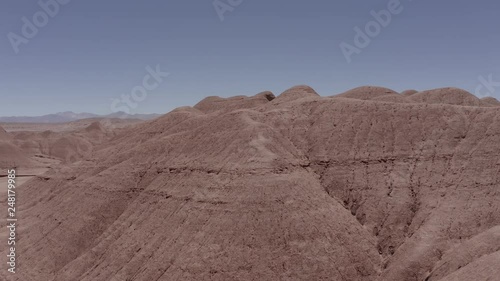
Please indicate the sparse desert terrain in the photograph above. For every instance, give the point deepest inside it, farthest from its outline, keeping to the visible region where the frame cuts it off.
(366, 185)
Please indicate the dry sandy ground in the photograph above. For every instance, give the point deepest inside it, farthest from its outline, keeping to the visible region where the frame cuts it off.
(68, 127)
(21, 144)
(366, 185)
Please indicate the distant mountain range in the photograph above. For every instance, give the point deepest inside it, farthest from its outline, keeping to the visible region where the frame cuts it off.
(68, 116)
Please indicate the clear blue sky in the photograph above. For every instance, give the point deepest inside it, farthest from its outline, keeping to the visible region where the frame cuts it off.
(93, 51)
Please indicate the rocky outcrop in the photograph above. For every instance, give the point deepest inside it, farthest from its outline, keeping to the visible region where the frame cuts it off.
(366, 93)
(297, 188)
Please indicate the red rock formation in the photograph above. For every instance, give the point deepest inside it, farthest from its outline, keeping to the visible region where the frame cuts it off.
(301, 187)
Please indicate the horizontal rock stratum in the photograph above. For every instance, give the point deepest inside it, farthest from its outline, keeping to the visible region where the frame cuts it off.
(366, 185)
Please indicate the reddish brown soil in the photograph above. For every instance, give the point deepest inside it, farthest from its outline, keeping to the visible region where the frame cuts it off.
(367, 185)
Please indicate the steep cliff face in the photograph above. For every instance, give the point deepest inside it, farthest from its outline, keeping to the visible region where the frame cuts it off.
(298, 187)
